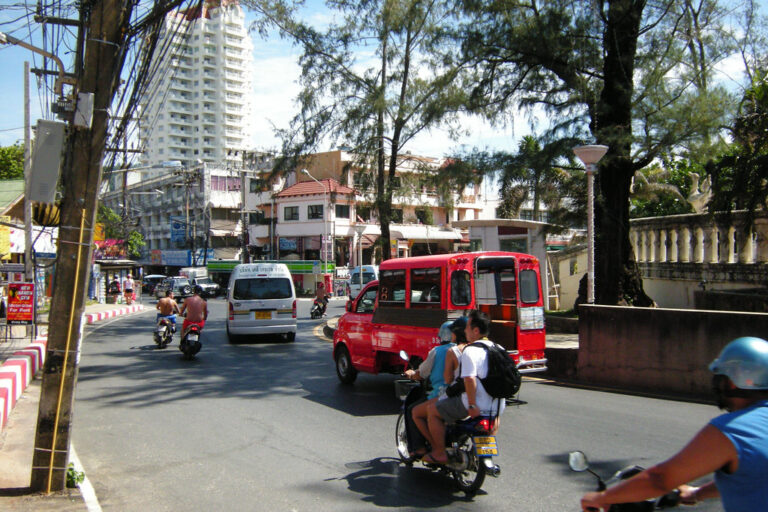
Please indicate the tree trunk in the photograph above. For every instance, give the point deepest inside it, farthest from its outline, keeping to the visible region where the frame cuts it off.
(617, 278)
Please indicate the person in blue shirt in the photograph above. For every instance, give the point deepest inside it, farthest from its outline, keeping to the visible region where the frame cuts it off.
(733, 446)
(441, 367)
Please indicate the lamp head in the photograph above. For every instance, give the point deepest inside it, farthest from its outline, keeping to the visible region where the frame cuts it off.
(591, 154)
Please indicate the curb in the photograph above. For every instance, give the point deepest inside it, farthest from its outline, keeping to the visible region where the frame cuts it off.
(103, 315)
(20, 368)
(16, 373)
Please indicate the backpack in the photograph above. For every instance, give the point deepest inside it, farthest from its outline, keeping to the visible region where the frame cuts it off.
(503, 379)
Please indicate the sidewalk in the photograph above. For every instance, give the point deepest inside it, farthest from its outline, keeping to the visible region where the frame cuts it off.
(20, 396)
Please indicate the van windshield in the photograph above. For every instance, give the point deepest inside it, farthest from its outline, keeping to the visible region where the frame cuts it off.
(262, 288)
(367, 277)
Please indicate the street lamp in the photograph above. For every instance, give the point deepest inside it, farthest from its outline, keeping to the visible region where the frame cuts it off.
(360, 229)
(325, 224)
(590, 155)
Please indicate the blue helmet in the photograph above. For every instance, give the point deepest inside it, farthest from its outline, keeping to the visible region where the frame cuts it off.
(745, 362)
(445, 332)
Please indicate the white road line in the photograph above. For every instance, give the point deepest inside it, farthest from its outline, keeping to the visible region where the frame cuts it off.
(86, 489)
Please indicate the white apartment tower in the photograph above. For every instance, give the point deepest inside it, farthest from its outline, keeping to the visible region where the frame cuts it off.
(197, 103)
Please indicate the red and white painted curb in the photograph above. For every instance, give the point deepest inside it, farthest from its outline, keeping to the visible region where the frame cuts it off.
(16, 373)
(103, 315)
(20, 368)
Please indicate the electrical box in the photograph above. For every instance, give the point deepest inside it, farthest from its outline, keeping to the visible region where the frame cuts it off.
(46, 161)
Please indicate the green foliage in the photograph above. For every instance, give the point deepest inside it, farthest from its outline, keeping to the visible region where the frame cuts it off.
(740, 176)
(12, 162)
(117, 227)
(74, 477)
(661, 190)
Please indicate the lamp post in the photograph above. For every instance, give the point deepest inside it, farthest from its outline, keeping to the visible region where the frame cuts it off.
(359, 229)
(325, 224)
(590, 155)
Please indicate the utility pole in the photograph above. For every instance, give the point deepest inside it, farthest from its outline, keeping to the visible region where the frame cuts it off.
(107, 29)
(29, 270)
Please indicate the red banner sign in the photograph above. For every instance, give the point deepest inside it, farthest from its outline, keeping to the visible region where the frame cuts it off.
(21, 303)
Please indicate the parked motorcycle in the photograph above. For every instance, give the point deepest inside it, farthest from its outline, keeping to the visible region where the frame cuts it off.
(470, 443)
(163, 333)
(318, 309)
(190, 341)
(578, 462)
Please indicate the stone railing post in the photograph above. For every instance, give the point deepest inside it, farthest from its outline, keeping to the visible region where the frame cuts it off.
(746, 245)
(685, 246)
(662, 246)
(698, 250)
(651, 246)
(761, 239)
(710, 244)
(673, 247)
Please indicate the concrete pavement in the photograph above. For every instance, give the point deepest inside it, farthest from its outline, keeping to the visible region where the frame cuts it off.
(20, 360)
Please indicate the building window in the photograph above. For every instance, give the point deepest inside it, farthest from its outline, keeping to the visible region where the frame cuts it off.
(342, 211)
(315, 211)
(258, 185)
(256, 218)
(291, 213)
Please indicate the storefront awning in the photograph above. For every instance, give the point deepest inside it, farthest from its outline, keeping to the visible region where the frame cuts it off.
(369, 240)
(424, 233)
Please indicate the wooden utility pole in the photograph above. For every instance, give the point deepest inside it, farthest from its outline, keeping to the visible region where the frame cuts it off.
(107, 29)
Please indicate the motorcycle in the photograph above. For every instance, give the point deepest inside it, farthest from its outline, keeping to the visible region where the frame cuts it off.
(470, 443)
(163, 333)
(578, 462)
(318, 309)
(190, 342)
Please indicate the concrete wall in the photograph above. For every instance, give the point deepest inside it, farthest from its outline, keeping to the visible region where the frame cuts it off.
(657, 350)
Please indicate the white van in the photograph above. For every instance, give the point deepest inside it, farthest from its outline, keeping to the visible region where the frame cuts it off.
(369, 273)
(261, 300)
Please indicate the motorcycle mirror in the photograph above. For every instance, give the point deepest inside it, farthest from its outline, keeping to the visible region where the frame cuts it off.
(578, 461)
(404, 355)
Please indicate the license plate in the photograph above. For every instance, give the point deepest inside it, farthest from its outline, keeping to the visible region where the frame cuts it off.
(262, 315)
(192, 337)
(486, 445)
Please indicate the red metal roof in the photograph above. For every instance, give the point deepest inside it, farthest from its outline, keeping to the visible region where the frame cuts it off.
(312, 188)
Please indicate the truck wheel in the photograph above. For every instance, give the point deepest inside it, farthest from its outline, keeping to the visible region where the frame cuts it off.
(290, 336)
(344, 369)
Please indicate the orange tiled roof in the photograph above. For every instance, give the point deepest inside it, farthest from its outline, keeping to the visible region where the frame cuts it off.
(311, 188)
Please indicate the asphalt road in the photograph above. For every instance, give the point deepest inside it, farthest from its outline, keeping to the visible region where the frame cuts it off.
(267, 426)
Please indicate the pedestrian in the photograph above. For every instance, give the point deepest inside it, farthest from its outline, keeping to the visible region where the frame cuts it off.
(733, 445)
(128, 289)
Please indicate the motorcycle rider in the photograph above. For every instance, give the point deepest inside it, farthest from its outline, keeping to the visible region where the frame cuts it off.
(167, 308)
(733, 445)
(474, 401)
(442, 367)
(321, 297)
(194, 310)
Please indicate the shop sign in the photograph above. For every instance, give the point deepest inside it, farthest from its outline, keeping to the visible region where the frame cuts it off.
(21, 302)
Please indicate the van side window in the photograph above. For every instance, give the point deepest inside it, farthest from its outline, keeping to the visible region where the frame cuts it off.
(425, 287)
(366, 302)
(461, 293)
(392, 288)
(495, 281)
(529, 286)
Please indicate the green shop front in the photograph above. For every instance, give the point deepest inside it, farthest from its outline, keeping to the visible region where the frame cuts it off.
(306, 274)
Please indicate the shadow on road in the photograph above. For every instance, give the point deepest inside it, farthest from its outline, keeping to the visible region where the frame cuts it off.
(386, 482)
(270, 367)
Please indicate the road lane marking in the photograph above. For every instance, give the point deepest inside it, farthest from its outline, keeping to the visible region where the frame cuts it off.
(86, 489)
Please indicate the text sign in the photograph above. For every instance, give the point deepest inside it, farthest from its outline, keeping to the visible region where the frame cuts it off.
(21, 303)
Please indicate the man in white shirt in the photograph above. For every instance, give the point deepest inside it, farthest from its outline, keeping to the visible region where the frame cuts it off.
(475, 401)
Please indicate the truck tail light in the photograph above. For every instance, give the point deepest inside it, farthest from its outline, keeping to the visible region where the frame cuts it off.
(530, 318)
(231, 312)
(294, 308)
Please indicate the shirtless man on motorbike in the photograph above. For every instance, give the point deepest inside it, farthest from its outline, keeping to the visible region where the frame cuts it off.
(167, 308)
(195, 311)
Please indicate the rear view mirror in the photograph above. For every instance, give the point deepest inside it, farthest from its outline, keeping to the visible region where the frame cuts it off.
(348, 305)
(578, 461)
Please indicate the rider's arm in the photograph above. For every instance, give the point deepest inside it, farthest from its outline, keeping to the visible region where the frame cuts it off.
(425, 368)
(470, 386)
(175, 307)
(708, 451)
(451, 363)
(205, 310)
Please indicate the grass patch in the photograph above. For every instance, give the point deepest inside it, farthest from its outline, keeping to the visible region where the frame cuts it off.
(565, 313)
